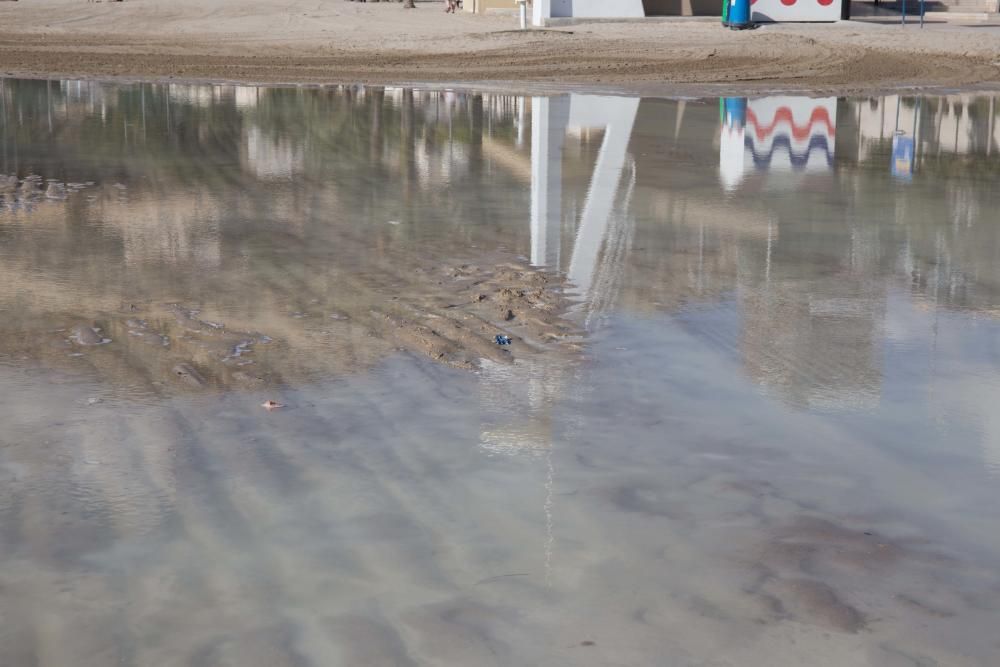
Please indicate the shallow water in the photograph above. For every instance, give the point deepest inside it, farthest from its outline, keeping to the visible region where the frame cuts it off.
(748, 417)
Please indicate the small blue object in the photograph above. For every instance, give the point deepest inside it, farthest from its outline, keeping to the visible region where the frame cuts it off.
(734, 112)
(738, 16)
(501, 339)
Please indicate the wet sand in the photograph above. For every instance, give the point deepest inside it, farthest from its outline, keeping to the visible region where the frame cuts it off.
(342, 42)
(449, 313)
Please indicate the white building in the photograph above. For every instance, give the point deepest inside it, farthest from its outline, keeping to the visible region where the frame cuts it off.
(542, 10)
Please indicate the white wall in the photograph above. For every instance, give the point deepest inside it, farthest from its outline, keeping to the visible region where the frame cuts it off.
(545, 9)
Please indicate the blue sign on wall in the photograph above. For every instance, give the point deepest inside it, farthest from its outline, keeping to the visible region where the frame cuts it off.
(902, 156)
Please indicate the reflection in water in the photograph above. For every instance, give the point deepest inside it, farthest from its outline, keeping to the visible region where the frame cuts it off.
(780, 136)
(812, 339)
(750, 393)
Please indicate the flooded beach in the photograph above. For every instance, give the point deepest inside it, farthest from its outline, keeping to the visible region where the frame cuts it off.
(746, 416)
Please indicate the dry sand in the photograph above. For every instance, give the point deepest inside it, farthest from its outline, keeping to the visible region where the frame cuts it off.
(331, 41)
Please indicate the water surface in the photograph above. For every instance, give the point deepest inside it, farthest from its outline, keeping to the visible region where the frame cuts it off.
(749, 415)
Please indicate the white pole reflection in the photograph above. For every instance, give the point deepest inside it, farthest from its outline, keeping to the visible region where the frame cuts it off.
(618, 117)
(518, 398)
(549, 118)
(552, 118)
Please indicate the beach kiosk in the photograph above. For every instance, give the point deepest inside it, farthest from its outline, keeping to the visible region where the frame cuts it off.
(777, 11)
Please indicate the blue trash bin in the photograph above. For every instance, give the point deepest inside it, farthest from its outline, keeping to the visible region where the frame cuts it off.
(736, 14)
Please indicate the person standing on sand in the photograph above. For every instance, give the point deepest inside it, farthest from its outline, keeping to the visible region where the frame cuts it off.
(450, 6)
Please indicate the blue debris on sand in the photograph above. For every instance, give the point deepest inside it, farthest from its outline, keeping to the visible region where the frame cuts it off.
(501, 339)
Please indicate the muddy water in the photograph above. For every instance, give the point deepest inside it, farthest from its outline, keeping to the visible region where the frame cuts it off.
(747, 415)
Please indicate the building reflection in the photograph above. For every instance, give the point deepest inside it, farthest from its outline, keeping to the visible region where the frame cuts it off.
(777, 138)
(786, 207)
(809, 330)
(953, 125)
(811, 306)
(787, 215)
(810, 339)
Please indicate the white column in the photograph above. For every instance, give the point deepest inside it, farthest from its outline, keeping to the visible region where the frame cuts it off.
(541, 10)
(549, 116)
